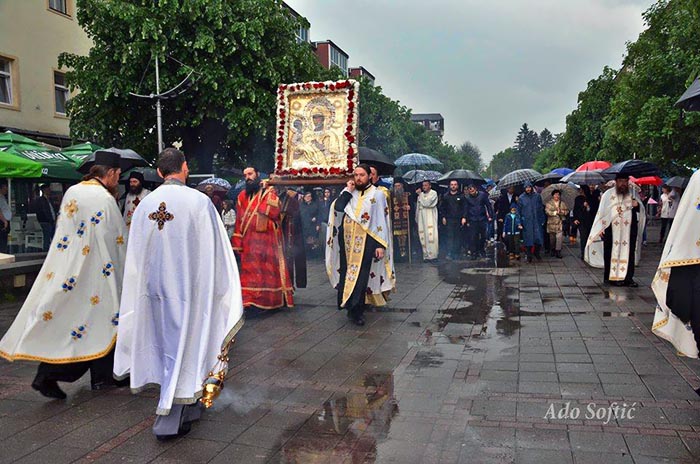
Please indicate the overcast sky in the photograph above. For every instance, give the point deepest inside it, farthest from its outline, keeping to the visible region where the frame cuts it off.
(486, 66)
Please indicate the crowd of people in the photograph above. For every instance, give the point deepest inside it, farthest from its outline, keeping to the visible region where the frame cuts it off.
(127, 294)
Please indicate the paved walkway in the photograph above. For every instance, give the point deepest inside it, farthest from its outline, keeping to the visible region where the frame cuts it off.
(467, 364)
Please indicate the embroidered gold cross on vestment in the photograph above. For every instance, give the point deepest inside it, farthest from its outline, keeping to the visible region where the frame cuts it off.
(161, 215)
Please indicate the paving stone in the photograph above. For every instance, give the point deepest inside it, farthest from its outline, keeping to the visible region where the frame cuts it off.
(609, 443)
(543, 456)
(542, 439)
(665, 447)
(493, 408)
(592, 457)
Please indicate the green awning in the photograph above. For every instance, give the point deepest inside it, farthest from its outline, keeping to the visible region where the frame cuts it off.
(13, 166)
(21, 157)
(80, 151)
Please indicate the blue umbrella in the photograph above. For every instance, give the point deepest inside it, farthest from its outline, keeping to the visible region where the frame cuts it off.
(562, 171)
(417, 159)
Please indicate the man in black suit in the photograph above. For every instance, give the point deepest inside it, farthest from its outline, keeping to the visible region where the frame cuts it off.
(45, 214)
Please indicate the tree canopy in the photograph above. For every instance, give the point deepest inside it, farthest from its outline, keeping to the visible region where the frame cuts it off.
(238, 51)
(629, 113)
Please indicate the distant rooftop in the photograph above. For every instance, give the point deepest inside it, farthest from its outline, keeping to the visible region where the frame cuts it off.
(317, 43)
(426, 117)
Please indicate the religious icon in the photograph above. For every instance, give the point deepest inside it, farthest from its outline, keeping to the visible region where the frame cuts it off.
(317, 129)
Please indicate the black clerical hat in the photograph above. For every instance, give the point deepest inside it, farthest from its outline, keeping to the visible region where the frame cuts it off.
(107, 158)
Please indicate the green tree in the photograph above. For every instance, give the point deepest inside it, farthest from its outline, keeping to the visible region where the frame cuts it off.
(656, 70)
(546, 139)
(527, 145)
(239, 50)
(503, 162)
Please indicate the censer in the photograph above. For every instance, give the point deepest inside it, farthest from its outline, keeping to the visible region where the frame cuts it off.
(214, 383)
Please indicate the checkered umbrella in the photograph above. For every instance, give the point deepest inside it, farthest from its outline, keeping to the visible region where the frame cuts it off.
(418, 175)
(518, 178)
(219, 184)
(417, 159)
(584, 178)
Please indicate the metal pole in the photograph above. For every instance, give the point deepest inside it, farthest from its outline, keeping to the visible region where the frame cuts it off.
(159, 120)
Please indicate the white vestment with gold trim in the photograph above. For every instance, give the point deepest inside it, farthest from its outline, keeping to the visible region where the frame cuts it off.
(682, 249)
(615, 212)
(427, 220)
(369, 214)
(71, 312)
(181, 303)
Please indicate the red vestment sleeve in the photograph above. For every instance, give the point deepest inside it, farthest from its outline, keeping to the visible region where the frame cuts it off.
(237, 238)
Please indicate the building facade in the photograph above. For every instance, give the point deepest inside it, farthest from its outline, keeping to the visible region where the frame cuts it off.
(330, 55)
(433, 122)
(33, 92)
(356, 73)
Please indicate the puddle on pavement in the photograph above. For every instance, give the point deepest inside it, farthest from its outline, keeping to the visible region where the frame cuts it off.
(347, 428)
(483, 300)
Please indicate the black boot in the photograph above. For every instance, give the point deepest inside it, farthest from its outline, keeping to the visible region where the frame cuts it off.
(537, 253)
(559, 254)
(49, 388)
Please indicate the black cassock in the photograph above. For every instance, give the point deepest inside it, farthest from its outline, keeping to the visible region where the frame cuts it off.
(683, 296)
(293, 241)
(356, 303)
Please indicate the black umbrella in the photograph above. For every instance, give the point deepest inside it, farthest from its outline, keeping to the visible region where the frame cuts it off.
(635, 168)
(552, 177)
(677, 181)
(149, 175)
(129, 159)
(690, 100)
(385, 166)
(584, 178)
(462, 175)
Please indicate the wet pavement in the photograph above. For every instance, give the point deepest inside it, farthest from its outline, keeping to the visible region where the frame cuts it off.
(532, 363)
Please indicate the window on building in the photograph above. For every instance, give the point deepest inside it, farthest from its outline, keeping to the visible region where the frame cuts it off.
(302, 34)
(339, 60)
(6, 90)
(60, 6)
(60, 92)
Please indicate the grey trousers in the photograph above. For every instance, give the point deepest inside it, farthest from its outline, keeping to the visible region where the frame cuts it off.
(179, 414)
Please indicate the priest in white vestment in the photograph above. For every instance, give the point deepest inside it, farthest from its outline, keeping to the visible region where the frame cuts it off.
(615, 241)
(427, 220)
(181, 303)
(136, 193)
(677, 281)
(358, 238)
(69, 320)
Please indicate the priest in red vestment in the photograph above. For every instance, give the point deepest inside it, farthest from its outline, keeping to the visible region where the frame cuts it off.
(257, 239)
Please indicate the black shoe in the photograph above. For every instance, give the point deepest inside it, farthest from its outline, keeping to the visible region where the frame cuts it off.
(50, 389)
(632, 284)
(359, 321)
(529, 259)
(559, 255)
(111, 383)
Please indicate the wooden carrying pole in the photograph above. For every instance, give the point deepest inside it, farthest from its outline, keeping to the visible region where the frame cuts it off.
(319, 181)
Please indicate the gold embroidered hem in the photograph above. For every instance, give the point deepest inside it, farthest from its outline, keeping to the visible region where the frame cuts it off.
(27, 357)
